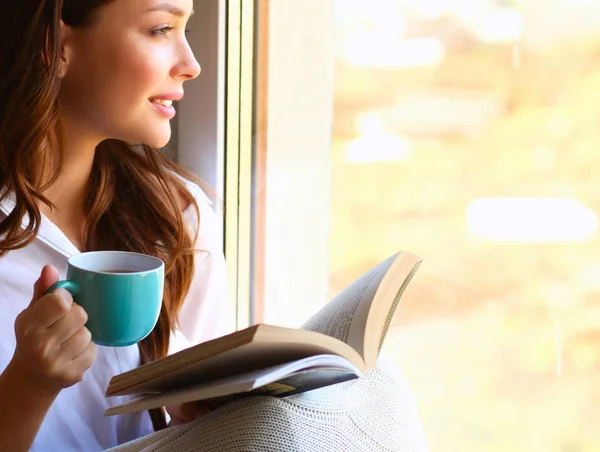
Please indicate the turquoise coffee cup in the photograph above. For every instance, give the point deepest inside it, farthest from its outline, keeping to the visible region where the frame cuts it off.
(121, 292)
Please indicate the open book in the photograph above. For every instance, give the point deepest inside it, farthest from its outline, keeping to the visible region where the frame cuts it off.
(338, 343)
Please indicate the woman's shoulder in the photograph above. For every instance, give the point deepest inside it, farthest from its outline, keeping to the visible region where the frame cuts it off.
(198, 194)
(205, 208)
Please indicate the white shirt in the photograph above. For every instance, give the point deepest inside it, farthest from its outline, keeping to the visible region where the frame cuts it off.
(76, 420)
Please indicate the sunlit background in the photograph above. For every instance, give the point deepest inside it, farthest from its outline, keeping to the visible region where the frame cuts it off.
(468, 131)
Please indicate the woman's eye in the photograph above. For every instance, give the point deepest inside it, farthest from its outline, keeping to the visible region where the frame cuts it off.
(162, 32)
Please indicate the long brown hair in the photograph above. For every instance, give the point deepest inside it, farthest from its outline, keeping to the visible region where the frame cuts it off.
(135, 195)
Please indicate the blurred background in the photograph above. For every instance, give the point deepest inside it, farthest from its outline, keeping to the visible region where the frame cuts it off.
(467, 131)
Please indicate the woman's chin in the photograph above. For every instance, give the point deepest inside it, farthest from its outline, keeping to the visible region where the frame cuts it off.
(158, 140)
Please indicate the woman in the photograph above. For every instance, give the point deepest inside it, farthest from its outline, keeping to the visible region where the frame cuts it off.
(86, 93)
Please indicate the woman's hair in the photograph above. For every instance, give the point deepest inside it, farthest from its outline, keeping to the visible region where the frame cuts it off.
(134, 196)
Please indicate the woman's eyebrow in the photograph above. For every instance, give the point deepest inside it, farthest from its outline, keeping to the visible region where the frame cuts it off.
(169, 8)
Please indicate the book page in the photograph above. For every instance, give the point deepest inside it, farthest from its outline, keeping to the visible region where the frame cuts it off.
(385, 303)
(345, 316)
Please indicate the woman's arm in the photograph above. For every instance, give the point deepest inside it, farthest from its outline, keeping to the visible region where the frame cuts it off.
(206, 312)
(23, 409)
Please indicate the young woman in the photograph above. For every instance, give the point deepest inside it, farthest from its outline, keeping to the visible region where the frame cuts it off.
(86, 94)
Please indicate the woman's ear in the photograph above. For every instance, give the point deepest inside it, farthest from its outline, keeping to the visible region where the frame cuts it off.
(65, 48)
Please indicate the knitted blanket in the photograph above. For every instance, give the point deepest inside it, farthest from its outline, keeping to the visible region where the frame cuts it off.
(376, 412)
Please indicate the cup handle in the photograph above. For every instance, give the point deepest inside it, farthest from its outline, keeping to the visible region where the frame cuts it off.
(71, 286)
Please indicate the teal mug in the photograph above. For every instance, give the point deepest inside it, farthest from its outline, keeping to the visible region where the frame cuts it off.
(121, 292)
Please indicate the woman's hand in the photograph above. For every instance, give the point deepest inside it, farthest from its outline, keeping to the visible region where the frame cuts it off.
(53, 351)
(54, 348)
(188, 412)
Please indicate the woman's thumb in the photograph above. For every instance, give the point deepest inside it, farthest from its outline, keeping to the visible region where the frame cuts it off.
(47, 279)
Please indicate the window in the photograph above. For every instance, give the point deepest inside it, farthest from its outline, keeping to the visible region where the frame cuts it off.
(466, 132)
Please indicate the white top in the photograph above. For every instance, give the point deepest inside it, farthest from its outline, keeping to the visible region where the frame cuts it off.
(76, 420)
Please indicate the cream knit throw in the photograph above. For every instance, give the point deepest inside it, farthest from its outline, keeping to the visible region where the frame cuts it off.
(376, 412)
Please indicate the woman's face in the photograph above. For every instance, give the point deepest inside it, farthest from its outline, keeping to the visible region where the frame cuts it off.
(123, 73)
